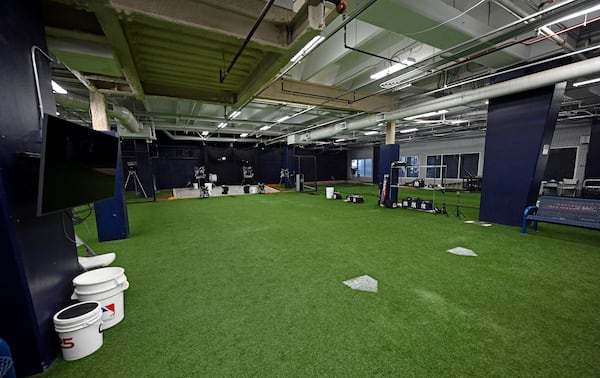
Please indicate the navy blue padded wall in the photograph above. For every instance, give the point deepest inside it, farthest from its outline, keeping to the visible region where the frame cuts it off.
(592, 165)
(37, 258)
(388, 153)
(519, 126)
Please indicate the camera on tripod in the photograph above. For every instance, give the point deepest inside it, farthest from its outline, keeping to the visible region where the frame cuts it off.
(131, 166)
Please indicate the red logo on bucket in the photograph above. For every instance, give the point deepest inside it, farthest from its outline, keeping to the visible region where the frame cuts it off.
(109, 308)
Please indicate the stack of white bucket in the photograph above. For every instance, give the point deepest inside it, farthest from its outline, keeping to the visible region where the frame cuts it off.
(81, 334)
(329, 192)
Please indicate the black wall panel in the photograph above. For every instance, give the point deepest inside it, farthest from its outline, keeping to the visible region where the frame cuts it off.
(270, 162)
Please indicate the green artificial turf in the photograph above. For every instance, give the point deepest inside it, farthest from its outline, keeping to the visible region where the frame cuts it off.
(252, 286)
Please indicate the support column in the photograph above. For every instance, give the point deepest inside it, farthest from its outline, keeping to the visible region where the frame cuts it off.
(390, 132)
(519, 133)
(388, 153)
(98, 109)
(592, 165)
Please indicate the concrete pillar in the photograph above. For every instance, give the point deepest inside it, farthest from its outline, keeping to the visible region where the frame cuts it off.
(390, 132)
(99, 114)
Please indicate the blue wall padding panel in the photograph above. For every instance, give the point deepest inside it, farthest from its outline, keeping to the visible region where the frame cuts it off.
(388, 153)
(592, 165)
(519, 126)
(37, 259)
(112, 220)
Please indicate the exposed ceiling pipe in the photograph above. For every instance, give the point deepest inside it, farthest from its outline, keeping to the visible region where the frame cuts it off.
(512, 8)
(223, 75)
(209, 139)
(121, 114)
(525, 83)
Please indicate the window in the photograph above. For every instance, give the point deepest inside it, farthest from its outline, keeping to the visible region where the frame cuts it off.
(433, 172)
(361, 167)
(451, 163)
(412, 166)
(469, 165)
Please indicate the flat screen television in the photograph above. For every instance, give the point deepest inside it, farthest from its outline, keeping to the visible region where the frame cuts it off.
(78, 165)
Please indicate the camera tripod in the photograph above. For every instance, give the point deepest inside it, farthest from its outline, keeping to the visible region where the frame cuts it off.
(443, 209)
(136, 182)
(459, 213)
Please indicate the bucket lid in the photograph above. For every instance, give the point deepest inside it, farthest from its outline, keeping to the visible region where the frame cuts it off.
(96, 276)
(77, 310)
(100, 295)
(78, 313)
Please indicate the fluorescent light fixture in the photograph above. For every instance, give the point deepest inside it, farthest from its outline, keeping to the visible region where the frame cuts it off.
(401, 87)
(456, 121)
(235, 114)
(243, 135)
(371, 132)
(265, 127)
(205, 133)
(575, 14)
(388, 71)
(394, 68)
(307, 48)
(408, 61)
(425, 115)
(57, 88)
(586, 82)
(222, 125)
(408, 130)
(283, 119)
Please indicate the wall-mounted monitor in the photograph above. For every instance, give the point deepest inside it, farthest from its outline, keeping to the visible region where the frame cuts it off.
(77, 165)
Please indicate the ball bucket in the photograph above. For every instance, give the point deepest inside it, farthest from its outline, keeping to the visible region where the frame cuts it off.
(105, 285)
(329, 192)
(79, 329)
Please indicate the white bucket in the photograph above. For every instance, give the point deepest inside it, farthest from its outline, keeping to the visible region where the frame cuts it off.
(329, 192)
(98, 280)
(105, 285)
(79, 329)
(113, 305)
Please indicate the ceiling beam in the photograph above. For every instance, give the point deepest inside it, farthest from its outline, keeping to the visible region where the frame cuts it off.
(202, 16)
(111, 26)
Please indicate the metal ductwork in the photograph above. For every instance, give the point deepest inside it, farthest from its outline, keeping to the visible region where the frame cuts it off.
(209, 139)
(121, 114)
(522, 84)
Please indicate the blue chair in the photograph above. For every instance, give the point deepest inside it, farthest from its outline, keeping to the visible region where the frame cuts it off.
(7, 369)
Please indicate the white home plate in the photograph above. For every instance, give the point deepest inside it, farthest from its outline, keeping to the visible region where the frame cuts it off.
(362, 283)
(462, 251)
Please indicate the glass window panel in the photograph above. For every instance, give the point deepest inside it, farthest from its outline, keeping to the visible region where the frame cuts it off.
(368, 167)
(451, 163)
(433, 172)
